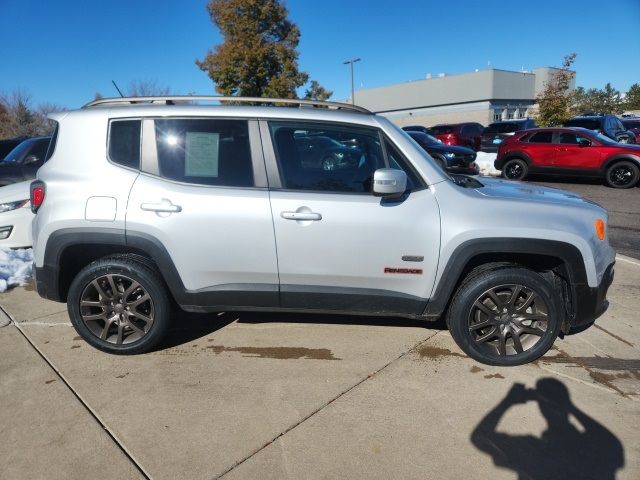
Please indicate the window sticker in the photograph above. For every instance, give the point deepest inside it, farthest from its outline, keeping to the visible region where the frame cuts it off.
(201, 154)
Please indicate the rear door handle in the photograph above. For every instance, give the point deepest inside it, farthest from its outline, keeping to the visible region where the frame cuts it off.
(165, 206)
(301, 216)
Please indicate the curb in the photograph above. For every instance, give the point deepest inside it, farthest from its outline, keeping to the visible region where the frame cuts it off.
(625, 259)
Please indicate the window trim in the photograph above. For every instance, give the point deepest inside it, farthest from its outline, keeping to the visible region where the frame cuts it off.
(152, 168)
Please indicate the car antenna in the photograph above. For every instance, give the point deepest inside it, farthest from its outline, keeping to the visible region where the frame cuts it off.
(114, 84)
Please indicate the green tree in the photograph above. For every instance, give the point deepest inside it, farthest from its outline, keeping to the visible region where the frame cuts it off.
(632, 98)
(317, 92)
(554, 101)
(594, 100)
(258, 57)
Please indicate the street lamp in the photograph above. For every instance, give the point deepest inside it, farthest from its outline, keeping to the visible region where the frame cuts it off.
(351, 62)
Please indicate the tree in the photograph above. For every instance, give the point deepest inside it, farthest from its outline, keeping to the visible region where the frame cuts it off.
(258, 56)
(554, 101)
(18, 118)
(147, 88)
(594, 100)
(317, 92)
(632, 98)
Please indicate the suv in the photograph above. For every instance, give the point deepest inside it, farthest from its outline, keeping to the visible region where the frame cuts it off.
(632, 124)
(23, 161)
(453, 159)
(144, 203)
(608, 125)
(462, 134)
(497, 132)
(569, 151)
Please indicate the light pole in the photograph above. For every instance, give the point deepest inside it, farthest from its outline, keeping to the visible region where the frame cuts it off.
(351, 62)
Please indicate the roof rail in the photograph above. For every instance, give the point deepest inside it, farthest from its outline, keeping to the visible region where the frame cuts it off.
(172, 100)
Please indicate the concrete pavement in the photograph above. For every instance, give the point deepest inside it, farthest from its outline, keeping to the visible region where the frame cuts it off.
(308, 396)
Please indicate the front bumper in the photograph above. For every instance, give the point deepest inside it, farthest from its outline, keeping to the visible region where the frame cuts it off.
(591, 302)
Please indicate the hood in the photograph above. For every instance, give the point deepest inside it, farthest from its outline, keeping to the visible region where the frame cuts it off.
(15, 192)
(497, 188)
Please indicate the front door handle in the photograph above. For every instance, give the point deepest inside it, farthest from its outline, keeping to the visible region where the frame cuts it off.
(301, 216)
(165, 206)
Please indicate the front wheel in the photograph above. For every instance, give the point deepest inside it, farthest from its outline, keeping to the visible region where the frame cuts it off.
(119, 305)
(506, 316)
(624, 174)
(515, 169)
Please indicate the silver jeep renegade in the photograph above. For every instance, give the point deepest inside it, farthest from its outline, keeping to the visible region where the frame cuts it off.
(301, 206)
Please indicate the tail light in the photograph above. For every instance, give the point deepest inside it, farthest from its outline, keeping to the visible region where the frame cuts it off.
(37, 195)
(450, 139)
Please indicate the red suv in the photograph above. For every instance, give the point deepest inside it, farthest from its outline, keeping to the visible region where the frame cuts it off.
(463, 134)
(569, 151)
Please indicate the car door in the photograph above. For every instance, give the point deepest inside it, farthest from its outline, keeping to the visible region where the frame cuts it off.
(340, 247)
(202, 196)
(574, 153)
(541, 149)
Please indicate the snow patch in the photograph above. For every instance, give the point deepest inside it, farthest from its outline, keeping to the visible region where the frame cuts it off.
(15, 267)
(485, 162)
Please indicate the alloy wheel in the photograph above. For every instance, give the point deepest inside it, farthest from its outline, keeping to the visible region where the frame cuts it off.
(508, 320)
(117, 309)
(621, 175)
(514, 170)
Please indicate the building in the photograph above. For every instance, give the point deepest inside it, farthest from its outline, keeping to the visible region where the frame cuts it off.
(483, 96)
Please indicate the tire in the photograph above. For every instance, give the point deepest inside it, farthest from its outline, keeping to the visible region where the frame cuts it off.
(132, 321)
(505, 316)
(515, 169)
(329, 163)
(623, 174)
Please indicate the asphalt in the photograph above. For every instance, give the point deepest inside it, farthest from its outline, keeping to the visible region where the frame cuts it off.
(623, 206)
(307, 396)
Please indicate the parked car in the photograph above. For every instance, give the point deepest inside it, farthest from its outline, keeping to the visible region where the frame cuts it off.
(324, 152)
(632, 124)
(417, 128)
(463, 134)
(212, 207)
(451, 158)
(497, 132)
(15, 215)
(569, 151)
(23, 161)
(608, 125)
(9, 144)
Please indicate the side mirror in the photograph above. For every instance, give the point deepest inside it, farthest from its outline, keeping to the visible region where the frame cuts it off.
(30, 159)
(389, 182)
(584, 143)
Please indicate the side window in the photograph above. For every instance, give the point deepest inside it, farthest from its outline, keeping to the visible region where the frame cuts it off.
(124, 142)
(326, 157)
(204, 151)
(541, 137)
(396, 160)
(570, 138)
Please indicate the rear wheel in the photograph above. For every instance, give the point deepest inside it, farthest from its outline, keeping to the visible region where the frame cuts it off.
(515, 169)
(506, 316)
(624, 174)
(119, 305)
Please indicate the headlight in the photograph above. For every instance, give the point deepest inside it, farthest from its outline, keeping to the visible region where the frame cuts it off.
(8, 206)
(450, 155)
(339, 155)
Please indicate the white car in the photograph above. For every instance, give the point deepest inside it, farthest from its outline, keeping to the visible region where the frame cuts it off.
(15, 215)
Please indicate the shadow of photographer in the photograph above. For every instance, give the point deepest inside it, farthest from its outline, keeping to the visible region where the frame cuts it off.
(562, 451)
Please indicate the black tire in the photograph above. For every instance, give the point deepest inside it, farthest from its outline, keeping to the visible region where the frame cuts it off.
(132, 320)
(623, 174)
(515, 169)
(509, 331)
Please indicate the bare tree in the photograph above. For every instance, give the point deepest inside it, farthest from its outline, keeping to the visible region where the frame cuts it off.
(147, 88)
(18, 118)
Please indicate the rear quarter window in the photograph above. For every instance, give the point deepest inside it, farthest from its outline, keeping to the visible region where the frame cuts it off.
(124, 143)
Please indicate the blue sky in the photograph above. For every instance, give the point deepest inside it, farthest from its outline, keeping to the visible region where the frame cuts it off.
(65, 51)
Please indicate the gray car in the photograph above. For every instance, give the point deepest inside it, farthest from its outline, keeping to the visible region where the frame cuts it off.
(149, 202)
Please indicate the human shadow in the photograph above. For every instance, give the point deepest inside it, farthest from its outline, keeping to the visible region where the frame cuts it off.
(562, 451)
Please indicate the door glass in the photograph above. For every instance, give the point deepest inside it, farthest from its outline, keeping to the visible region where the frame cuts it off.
(204, 151)
(541, 137)
(326, 157)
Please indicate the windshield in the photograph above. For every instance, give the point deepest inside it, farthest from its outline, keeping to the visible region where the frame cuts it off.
(18, 152)
(506, 127)
(441, 129)
(588, 123)
(604, 139)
